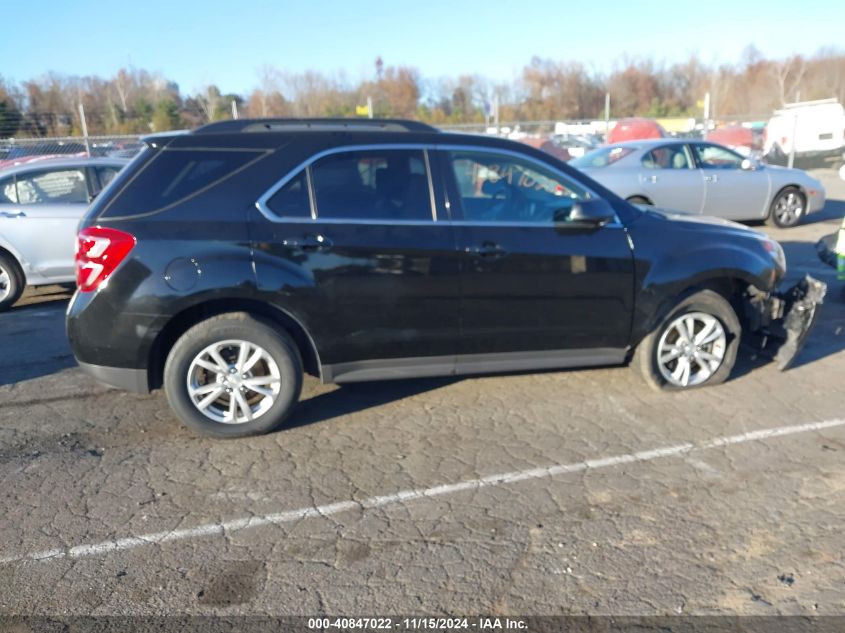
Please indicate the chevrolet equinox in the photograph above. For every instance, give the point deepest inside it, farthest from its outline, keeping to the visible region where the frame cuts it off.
(224, 263)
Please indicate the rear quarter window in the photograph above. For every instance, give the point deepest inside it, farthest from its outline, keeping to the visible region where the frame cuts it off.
(171, 176)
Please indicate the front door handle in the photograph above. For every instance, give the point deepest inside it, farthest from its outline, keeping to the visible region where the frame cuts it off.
(309, 243)
(488, 250)
(712, 178)
(13, 214)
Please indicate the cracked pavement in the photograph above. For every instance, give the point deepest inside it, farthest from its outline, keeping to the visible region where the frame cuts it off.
(747, 528)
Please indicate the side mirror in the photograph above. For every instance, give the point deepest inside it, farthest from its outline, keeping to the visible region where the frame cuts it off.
(748, 165)
(591, 213)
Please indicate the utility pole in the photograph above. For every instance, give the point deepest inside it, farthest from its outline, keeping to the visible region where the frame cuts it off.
(370, 107)
(496, 112)
(84, 129)
(234, 109)
(606, 115)
(706, 115)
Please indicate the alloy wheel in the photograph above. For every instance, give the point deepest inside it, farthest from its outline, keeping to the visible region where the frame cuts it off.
(789, 208)
(691, 349)
(233, 381)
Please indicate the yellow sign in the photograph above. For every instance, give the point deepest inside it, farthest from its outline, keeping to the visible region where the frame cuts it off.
(362, 110)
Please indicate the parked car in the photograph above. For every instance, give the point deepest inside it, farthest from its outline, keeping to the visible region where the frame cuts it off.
(815, 130)
(704, 178)
(40, 205)
(225, 262)
(740, 139)
(22, 154)
(633, 129)
(575, 146)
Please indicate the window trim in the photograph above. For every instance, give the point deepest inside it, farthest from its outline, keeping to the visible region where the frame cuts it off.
(701, 165)
(692, 163)
(427, 148)
(267, 212)
(446, 148)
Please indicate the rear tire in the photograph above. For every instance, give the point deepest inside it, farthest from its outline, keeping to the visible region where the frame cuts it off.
(233, 375)
(661, 357)
(12, 281)
(788, 208)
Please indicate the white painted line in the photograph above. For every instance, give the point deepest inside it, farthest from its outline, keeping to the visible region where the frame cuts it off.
(227, 527)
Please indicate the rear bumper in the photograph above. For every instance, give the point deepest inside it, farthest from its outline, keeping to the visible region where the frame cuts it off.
(135, 380)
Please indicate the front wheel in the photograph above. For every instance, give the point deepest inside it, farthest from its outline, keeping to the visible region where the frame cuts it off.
(695, 345)
(787, 208)
(233, 375)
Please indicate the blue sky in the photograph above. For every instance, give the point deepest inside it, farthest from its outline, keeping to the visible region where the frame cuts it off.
(227, 42)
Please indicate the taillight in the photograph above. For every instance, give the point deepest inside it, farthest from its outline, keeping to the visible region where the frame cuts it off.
(98, 252)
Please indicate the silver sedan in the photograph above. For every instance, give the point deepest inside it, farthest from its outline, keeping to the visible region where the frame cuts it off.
(40, 205)
(700, 177)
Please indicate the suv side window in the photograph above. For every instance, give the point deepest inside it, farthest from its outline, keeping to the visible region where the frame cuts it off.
(53, 186)
(715, 157)
(291, 201)
(502, 188)
(383, 184)
(668, 157)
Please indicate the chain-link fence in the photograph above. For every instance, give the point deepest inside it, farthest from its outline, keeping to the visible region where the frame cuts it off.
(18, 151)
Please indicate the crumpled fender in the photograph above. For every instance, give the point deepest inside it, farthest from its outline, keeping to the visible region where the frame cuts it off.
(785, 319)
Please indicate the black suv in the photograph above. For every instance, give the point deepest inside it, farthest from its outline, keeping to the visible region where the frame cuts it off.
(222, 264)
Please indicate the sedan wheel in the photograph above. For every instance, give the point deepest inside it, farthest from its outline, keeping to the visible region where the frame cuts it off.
(11, 282)
(787, 208)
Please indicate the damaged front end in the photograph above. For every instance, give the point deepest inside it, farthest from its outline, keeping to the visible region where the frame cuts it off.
(781, 321)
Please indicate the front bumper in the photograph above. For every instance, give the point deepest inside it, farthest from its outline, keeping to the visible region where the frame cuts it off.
(782, 321)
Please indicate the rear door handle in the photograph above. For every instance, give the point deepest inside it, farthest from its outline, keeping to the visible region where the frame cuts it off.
(13, 214)
(309, 243)
(713, 178)
(650, 178)
(488, 250)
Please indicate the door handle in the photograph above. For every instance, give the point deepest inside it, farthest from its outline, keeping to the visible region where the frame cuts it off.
(309, 243)
(713, 178)
(13, 214)
(488, 250)
(650, 178)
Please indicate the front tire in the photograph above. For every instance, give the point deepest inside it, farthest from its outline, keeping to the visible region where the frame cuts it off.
(11, 281)
(233, 375)
(788, 208)
(694, 346)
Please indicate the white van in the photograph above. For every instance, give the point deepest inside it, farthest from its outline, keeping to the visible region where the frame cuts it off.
(815, 128)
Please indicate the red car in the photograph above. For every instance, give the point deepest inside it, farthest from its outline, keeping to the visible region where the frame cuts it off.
(635, 129)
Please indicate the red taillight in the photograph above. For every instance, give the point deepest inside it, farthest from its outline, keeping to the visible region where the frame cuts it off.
(98, 252)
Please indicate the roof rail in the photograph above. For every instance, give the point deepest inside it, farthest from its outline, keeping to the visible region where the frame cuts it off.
(316, 125)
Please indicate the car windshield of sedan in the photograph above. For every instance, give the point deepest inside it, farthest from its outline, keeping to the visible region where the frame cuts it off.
(601, 157)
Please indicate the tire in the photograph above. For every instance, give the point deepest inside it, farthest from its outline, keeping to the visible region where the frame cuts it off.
(788, 208)
(278, 372)
(640, 200)
(12, 281)
(664, 340)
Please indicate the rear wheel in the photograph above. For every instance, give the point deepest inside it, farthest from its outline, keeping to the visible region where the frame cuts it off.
(11, 281)
(695, 345)
(787, 208)
(233, 375)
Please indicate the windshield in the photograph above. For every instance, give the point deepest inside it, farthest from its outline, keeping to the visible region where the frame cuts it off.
(601, 157)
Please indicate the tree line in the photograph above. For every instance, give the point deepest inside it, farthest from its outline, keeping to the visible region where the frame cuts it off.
(136, 101)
